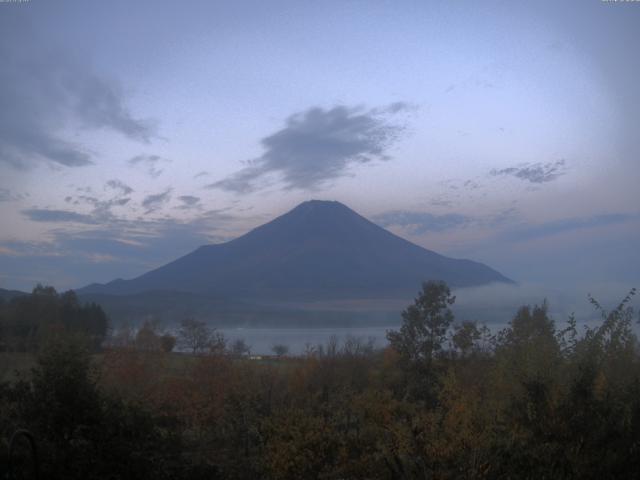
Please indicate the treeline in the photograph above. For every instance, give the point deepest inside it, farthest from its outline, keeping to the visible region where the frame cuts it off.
(443, 401)
(27, 322)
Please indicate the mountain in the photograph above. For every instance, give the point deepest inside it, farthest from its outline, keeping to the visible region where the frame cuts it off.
(320, 250)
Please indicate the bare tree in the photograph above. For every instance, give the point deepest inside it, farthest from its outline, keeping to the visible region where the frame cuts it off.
(217, 343)
(358, 346)
(196, 336)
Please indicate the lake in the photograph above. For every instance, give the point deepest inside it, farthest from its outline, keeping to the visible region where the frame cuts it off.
(262, 339)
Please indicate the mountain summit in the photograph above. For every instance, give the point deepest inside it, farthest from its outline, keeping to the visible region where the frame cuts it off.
(318, 250)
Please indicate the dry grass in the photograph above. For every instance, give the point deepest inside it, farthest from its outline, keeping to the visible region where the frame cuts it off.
(13, 363)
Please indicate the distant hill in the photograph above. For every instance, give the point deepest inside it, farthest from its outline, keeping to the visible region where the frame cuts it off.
(7, 295)
(319, 250)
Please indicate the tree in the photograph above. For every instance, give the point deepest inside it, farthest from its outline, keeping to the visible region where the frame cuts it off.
(167, 342)
(198, 337)
(528, 347)
(239, 348)
(44, 291)
(194, 335)
(421, 337)
(30, 321)
(83, 431)
(123, 337)
(63, 407)
(217, 343)
(465, 337)
(425, 324)
(280, 349)
(147, 339)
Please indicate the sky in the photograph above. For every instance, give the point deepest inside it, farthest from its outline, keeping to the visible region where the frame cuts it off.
(132, 132)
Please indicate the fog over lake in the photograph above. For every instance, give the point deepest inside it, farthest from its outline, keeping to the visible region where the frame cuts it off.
(493, 305)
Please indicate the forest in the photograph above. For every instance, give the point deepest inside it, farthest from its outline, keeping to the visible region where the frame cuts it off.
(444, 400)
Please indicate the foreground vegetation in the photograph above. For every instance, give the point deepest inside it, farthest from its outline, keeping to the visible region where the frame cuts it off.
(444, 400)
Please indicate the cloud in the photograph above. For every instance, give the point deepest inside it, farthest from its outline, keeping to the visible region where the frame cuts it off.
(121, 237)
(45, 215)
(120, 186)
(440, 201)
(531, 232)
(150, 163)
(203, 173)
(46, 93)
(240, 182)
(7, 195)
(318, 145)
(422, 222)
(82, 200)
(534, 172)
(115, 247)
(121, 201)
(8, 251)
(154, 202)
(102, 208)
(460, 185)
(471, 185)
(189, 201)
(419, 223)
(101, 258)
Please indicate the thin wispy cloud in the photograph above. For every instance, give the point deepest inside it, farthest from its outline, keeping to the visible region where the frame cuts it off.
(440, 201)
(319, 145)
(119, 186)
(556, 227)
(153, 202)
(418, 223)
(189, 201)
(422, 222)
(461, 184)
(101, 211)
(119, 245)
(151, 164)
(5, 195)
(534, 172)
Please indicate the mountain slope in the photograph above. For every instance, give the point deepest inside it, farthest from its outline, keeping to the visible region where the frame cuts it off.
(317, 250)
(7, 295)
